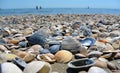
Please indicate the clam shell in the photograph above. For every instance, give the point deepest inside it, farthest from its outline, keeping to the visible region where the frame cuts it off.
(7, 57)
(10, 68)
(70, 44)
(37, 38)
(81, 64)
(38, 67)
(79, 56)
(27, 31)
(63, 56)
(55, 48)
(22, 44)
(95, 54)
(111, 66)
(100, 64)
(44, 51)
(96, 70)
(3, 48)
(13, 41)
(35, 49)
(87, 41)
(47, 57)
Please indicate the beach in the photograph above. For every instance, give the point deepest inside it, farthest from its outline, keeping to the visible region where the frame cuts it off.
(41, 37)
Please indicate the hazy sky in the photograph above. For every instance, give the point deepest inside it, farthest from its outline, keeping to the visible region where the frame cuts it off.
(114, 4)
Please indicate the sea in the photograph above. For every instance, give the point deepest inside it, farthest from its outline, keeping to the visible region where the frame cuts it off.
(6, 12)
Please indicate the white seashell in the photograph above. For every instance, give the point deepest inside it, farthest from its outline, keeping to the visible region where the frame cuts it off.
(96, 70)
(10, 68)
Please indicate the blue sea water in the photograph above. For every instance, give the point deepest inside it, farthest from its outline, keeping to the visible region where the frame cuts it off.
(4, 12)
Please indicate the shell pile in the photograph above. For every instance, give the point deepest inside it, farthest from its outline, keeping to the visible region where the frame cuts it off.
(35, 43)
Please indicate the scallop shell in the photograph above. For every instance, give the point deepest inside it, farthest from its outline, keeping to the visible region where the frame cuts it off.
(10, 68)
(96, 70)
(63, 56)
(38, 67)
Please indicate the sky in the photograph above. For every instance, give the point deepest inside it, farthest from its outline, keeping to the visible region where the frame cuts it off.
(13, 4)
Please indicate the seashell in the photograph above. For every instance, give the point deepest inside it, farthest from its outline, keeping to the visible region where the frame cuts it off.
(79, 56)
(10, 68)
(38, 67)
(103, 59)
(117, 56)
(70, 44)
(35, 49)
(20, 63)
(93, 48)
(7, 57)
(108, 47)
(27, 31)
(95, 54)
(83, 50)
(12, 41)
(81, 64)
(44, 31)
(100, 45)
(53, 43)
(111, 66)
(103, 41)
(3, 48)
(55, 48)
(106, 56)
(116, 45)
(6, 31)
(44, 51)
(37, 38)
(27, 57)
(22, 44)
(87, 41)
(3, 41)
(48, 57)
(82, 72)
(96, 70)
(63, 56)
(14, 31)
(100, 64)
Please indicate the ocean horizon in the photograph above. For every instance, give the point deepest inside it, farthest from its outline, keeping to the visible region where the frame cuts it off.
(22, 11)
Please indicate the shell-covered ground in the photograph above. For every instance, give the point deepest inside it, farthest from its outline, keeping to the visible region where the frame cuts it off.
(58, 40)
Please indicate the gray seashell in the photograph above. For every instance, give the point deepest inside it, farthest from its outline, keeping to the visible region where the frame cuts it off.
(10, 68)
(55, 48)
(96, 70)
(37, 38)
(70, 44)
